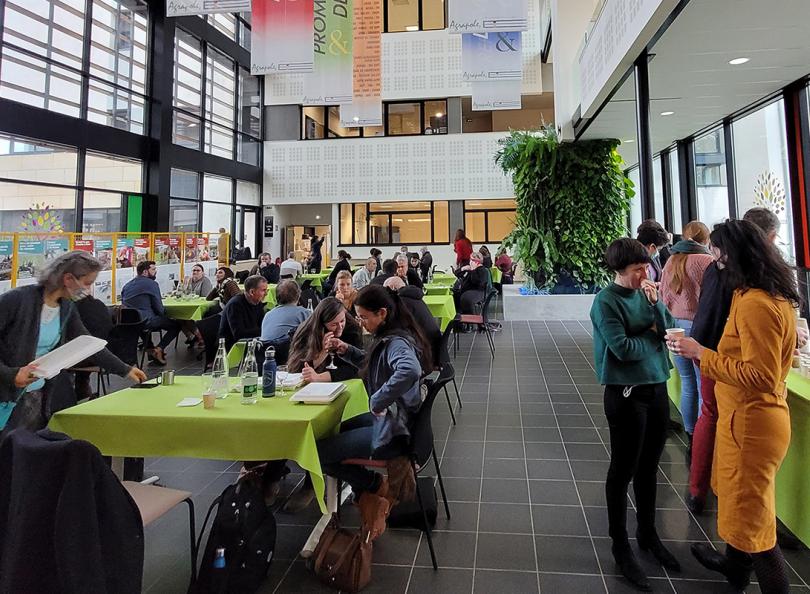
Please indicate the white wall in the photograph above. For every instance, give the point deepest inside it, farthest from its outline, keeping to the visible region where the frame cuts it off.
(294, 214)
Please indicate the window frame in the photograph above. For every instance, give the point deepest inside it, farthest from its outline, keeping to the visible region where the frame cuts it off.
(302, 117)
(420, 18)
(485, 212)
(431, 212)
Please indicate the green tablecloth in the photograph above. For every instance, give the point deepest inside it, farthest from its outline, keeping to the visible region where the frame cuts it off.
(496, 274)
(443, 279)
(270, 298)
(793, 480)
(441, 306)
(317, 279)
(141, 423)
(437, 289)
(186, 309)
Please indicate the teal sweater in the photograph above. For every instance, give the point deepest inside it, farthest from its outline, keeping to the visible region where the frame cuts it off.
(627, 352)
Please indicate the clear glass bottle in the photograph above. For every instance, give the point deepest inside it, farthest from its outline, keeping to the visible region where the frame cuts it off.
(309, 306)
(219, 372)
(250, 376)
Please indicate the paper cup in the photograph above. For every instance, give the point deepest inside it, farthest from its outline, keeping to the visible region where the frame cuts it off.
(675, 333)
(209, 400)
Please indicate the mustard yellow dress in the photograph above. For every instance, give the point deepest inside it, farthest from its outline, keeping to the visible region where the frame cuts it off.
(753, 428)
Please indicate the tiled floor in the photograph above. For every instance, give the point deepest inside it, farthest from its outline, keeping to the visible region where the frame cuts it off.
(524, 471)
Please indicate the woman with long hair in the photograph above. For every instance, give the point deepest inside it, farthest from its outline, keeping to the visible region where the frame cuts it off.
(753, 428)
(391, 369)
(629, 322)
(316, 339)
(681, 280)
(463, 248)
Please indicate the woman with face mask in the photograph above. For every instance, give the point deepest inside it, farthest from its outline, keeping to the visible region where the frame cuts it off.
(629, 323)
(34, 320)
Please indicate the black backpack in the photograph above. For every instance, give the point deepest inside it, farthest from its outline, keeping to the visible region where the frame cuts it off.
(246, 529)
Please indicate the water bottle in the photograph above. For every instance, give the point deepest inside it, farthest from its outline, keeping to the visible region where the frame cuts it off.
(219, 575)
(269, 373)
(219, 373)
(309, 306)
(250, 376)
(219, 559)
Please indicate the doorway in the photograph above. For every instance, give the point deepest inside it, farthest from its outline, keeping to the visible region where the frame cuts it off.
(247, 228)
(297, 240)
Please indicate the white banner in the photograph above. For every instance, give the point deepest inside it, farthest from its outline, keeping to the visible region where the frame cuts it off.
(176, 8)
(486, 16)
(361, 112)
(332, 79)
(491, 56)
(495, 96)
(281, 37)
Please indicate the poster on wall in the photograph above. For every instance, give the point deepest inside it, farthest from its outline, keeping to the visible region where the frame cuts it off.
(102, 287)
(281, 37)
(191, 253)
(491, 56)
(493, 96)
(103, 251)
(122, 277)
(6, 263)
(332, 78)
(486, 16)
(168, 277)
(167, 250)
(175, 8)
(203, 249)
(30, 260)
(366, 106)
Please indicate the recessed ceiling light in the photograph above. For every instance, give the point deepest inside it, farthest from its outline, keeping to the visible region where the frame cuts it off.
(738, 61)
(439, 114)
(412, 28)
(356, 119)
(317, 217)
(629, 140)
(667, 113)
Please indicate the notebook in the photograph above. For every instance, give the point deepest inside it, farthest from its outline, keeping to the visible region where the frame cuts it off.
(69, 354)
(318, 393)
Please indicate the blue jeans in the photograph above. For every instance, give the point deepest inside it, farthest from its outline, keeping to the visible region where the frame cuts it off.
(690, 383)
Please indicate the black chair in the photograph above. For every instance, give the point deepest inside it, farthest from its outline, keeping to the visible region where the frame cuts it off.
(422, 451)
(480, 321)
(281, 346)
(241, 276)
(447, 373)
(209, 329)
(123, 338)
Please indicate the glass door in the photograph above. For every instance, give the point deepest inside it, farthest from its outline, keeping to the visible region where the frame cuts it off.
(247, 228)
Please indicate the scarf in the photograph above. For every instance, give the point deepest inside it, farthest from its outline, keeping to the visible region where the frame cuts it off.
(687, 246)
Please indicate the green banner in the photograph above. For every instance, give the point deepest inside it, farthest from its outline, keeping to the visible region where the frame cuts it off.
(331, 81)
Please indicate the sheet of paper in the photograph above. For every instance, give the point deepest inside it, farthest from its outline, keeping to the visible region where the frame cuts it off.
(190, 402)
(68, 355)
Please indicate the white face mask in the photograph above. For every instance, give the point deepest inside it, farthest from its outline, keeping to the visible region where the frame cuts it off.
(79, 294)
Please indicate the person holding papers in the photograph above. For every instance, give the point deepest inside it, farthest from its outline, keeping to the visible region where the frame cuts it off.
(36, 319)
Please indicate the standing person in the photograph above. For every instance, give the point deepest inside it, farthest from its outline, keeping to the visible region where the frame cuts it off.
(143, 293)
(344, 291)
(654, 237)
(266, 268)
(34, 320)
(222, 247)
(287, 315)
(629, 324)
(425, 263)
(315, 257)
(198, 284)
(487, 256)
(504, 263)
(681, 280)
(242, 317)
(463, 248)
(753, 429)
(365, 275)
(392, 370)
(290, 268)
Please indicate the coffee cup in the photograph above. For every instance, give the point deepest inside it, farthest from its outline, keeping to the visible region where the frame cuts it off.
(209, 400)
(675, 333)
(166, 378)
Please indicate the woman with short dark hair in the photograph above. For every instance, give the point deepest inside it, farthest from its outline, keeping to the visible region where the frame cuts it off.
(749, 367)
(629, 328)
(343, 263)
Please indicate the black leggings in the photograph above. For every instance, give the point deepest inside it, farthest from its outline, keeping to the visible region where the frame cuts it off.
(638, 427)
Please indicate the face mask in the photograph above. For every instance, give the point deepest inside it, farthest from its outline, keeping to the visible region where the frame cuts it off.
(79, 294)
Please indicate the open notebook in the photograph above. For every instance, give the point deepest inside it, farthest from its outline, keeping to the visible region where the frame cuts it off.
(318, 393)
(69, 354)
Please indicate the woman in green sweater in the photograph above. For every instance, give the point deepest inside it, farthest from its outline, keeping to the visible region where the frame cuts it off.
(632, 362)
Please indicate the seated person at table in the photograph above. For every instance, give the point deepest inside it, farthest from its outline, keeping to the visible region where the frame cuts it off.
(393, 367)
(225, 290)
(389, 269)
(365, 275)
(267, 269)
(143, 293)
(287, 316)
(504, 263)
(486, 255)
(408, 274)
(472, 285)
(290, 268)
(343, 263)
(412, 299)
(309, 351)
(198, 284)
(242, 317)
(344, 291)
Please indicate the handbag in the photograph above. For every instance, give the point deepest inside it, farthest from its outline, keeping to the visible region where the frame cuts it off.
(342, 559)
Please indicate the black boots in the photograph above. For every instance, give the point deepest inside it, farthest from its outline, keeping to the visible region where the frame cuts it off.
(689, 451)
(736, 569)
(695, 504)
(630, 568)
(650, 542)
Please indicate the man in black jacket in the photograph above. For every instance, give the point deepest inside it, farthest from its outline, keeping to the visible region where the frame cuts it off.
(425, 263)
(406, 273)
(389, 269)
(243, 315)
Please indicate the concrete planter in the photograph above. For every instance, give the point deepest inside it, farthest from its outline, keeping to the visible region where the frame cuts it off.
(544, 307)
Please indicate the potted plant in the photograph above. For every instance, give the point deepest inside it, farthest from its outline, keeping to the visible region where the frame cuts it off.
(572, 200)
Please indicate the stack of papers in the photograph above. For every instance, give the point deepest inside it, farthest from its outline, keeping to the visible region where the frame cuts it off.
(318, 393)
(66, 356)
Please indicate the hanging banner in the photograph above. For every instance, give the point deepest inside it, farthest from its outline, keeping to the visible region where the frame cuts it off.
(366, 106)
(491, 56)
(281, 37)
(332, 79)
(486, 16)
(6, 262)
(493, 96)
(175, 8)
(30, 260)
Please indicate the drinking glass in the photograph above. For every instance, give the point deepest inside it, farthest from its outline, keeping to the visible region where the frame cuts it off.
(331, 360)
(281, 376)
(207, 382)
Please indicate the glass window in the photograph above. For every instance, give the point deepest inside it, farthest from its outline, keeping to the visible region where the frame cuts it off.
(218, 140)
(403, 15)
(410, 228)
(335, 129)
(39, 83)
(475, 226)
(52, 29)
(187, 72)
(30, 160)
(184, 184)
(499, 225)
(433, 15)
(360, 229)
(110, 106)
(441, 222)
(186, 130)
(225, 23)
(118, 39)
(710, 177)
(394, 223)
(399, 206)
(102, 212)
(404, 119)
(635, 201)
(313, 122)
(436, 117)
(248, 149)
(250, 104)
(675, 184)
(378, 226)
(217, 189)
(113, 173)
(488, 221)
(346, 223)
(761, 168)
(216, 216)
(18, 202)
(183, 216)
(658, 191)
(220, 84)
(244, 31)
(248, 193)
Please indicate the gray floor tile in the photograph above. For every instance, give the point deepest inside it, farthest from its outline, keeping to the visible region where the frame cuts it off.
(559, 520)
(566, 554)
(505, 491)
(504, 551)
(446, 581)
(507, 582)
(502, 517)
(453, 549)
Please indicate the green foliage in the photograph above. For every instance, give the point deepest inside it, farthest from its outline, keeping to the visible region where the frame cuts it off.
(572, 201)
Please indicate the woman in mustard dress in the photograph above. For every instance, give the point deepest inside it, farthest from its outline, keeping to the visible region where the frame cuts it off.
(753, 428)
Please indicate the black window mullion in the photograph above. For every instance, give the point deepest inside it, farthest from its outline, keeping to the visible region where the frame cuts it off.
(421, 113)
(81, 160)
(666, 179)
(368, 222)
(731, 174)
(385, 16)
(235, 121)
(421, 16)
(432, 222)
(84, 93)
(203, 93)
